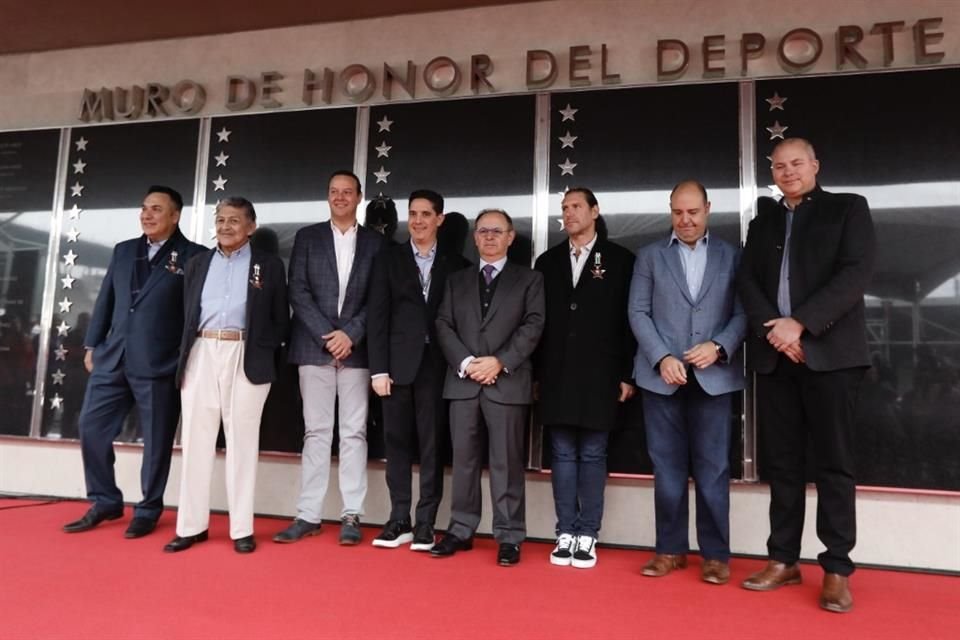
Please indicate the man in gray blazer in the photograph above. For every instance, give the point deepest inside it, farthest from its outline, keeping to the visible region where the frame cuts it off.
(330, 271)
(689, 327)
(488, 325)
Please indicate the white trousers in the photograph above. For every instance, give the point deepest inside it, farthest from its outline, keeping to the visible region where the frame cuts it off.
(215, 388)
(320, 386)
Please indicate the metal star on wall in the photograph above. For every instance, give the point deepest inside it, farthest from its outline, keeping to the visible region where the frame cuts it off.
(383, 151)
(68, 281)
(382, 175)
(60, 353)
(560, 220)
(775, 191)
(70, 258)
(79, 165)
(567, 167)
(82, 144)
(56, 402)
(567, 141)
(221, 159)
(72, 235)
(75, 212)
(58, 376)
(76, 190)
(384, 123)
(776, 102)
(777, 130)
(568, 113)
(224, 135)
(219, 183)
(63, 328)
(65, 305)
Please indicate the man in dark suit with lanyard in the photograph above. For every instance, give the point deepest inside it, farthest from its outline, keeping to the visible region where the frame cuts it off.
(407, 368)
(236, 318)
(133, 344)
(803, 275)
(488, 325)
(584, 370)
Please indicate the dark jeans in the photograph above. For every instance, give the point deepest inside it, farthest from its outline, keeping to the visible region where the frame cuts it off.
(579, 476)
(688, 433)
(795, 403)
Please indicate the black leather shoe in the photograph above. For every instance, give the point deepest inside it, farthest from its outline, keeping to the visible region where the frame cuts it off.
(90, 519)
(140, 527)
(184, 543)
(449, 545)
(245, 545)
(508, 554)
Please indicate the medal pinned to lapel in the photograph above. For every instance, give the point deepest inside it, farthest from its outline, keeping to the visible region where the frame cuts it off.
(256, 280)
(172, 265)
(597, 269)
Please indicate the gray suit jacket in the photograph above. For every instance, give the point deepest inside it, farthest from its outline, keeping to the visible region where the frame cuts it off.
(314, 287)
(510, 331)
(667, 321)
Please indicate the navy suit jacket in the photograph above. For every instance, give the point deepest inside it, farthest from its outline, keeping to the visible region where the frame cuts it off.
(141, 335)
(314, 287)
(666, 320)
(267, 314)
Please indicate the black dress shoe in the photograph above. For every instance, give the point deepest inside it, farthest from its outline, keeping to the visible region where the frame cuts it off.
(140, 527)
(183, 543)
(245, 545)
(449, 545)
(90, 519)
(508, 554)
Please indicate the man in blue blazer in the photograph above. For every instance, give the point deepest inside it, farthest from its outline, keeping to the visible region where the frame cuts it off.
(689, 328)
(133, 344)
(330, 270)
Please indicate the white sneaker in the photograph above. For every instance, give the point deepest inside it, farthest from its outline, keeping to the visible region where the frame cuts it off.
(585, 554)
(563, 552)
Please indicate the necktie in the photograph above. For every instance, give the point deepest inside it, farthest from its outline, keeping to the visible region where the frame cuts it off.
(783, 290)
(488, 270)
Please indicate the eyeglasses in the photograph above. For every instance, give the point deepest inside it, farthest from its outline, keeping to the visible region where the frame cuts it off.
(493, 231)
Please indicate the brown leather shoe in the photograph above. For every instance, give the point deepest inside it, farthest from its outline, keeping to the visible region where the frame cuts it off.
(662, 564)
(715, 572)
(774, 575)
(835, 595)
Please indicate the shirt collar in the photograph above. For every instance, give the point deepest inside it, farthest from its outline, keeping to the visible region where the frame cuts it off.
(813, 194)
(416, 252)
(239, 253)
(588, 247)
(675, 240)
(498, 265)
(336, 230)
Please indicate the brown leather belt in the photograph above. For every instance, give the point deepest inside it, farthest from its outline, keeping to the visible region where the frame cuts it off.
(221, 334)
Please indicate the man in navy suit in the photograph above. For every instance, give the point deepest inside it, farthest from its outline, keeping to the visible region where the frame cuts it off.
(236, 319)
(133, 344)
(407, 368)
(689, 328)
(330, 271)
(806, 266)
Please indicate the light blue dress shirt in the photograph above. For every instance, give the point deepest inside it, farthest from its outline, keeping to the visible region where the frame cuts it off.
(694, 261)
(223, 303)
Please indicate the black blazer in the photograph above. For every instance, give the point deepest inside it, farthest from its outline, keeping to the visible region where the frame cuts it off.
(268, 314)
(587, 346)
(399, 320)
(832, 252)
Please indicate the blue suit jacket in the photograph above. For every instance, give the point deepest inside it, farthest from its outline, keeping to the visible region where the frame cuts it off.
(667, 321)
(141, 335)
(314, 287)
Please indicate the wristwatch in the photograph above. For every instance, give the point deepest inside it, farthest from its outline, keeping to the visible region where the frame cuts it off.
(721, 352)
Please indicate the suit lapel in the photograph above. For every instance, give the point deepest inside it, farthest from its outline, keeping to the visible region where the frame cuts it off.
(672, 258)
(174, 260)
(256, 260)
(328, 248)
(714, 258)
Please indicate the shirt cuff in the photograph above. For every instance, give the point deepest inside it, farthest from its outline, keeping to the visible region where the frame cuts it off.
(462, 372)
(379, 375)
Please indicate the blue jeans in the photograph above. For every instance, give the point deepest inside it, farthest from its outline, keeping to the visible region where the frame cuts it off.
(689, 433)
(579, 476)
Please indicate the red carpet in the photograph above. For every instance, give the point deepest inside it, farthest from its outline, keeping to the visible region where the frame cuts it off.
(100, 585)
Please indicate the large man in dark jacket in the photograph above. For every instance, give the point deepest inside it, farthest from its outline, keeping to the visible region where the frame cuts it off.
(802, 278)
(583, 369)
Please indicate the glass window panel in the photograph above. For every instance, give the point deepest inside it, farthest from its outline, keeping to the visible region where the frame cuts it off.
(110, 169)
(631, 146)
(894, 138)
(28, 166)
